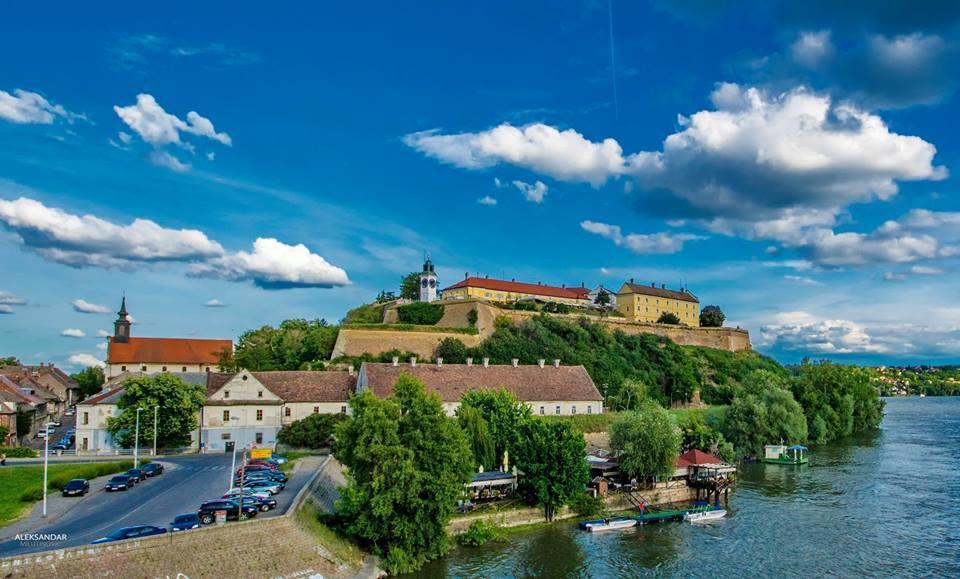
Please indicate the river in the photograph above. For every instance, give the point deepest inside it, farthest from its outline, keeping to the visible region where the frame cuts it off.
(880, 504)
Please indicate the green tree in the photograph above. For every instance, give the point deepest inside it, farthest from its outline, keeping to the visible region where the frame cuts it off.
(225, 360)
(315, 431)
(4, 432)
(179, 404)
(294, 345)
(90, 380)
(24, 423)
(697, 435)
(451, 350)
(603, 298)
(420, 313)
(768, 417)
(406, 464)
(551, 456)
(410, 286)
(9, 361)
(472, 318)
(668, 318)
(837, 400)
(647, 441)
(630, 396)
(478, 434)
(504, 415)
(712, 317)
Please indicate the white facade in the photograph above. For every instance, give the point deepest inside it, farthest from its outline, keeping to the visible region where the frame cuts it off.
(428, 283)
(548, 407)
(242, 413)
(92, 435)
(612, 294)
(114, 370)
(293, 411)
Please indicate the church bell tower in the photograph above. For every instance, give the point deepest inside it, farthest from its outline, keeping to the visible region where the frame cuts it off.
(428, 282)
(121, 327)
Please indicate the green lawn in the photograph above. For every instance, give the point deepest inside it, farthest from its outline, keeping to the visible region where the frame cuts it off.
(292, 457)
(22, 486)
(308, 516)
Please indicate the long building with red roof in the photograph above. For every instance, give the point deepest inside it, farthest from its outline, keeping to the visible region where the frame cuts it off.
(501, 290)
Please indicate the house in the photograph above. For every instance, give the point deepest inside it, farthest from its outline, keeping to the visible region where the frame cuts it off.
(499, 290)
(643, 303)
(548, 389)
(611, 295)
(51, 379)
(151, 355)
(249, 408)
(8, 418)
(21, 400)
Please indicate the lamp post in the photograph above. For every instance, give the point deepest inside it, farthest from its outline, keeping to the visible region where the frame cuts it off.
(136, 439)
(233, 461)
(46, 455)
(156, 412)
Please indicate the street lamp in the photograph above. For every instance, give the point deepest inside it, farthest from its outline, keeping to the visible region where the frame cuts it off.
(233, 461)
(156, 411)
(46, 455)
(136, 439)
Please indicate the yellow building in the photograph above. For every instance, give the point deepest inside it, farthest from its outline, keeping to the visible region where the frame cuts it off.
(499, 290)
(646, 303)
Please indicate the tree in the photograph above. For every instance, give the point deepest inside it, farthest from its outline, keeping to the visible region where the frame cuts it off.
(314, 431)
(451, 350)
(225, 360)
(647, 441)
(768, 417)
(603, 298)
(406, 464)
(179, 403)
(712, 317)
(9, 361)
(551, 457)
(697, 435)
(630, 396)
(478, 434)
(668, 318)
(4, 432)
(837, 400)
(504, 415)
(295, 345)
(472, 318)
(410, 286)
(420, 313)
(90, 380)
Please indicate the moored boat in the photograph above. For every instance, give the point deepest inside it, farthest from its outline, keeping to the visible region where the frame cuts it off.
(608, 525)
(780, 454)
(704, 516)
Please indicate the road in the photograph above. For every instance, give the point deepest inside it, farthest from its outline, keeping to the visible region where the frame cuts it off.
(189, 481)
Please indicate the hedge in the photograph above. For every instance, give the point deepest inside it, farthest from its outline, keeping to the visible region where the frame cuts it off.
(420, 313)
(18, 452)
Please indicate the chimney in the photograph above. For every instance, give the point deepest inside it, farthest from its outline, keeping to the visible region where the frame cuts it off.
(469, 362)
(513, 279)
(631, 281)
(440, 362)
(486, 362)
(413, 361)
(653, 284)
(396, 360)
(563, 285)
(538, 283)
(541, 362)
(515, 362)
(556, 362)
(466, 275)
(663, 286)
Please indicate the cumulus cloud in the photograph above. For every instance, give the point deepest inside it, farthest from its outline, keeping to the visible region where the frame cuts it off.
(215, 303)
(87, 240)
(85, 360)
(73, 333)
(533, 193)
(274, 265)
(564, 155)
(24, 107)
(640, 243)
(158, 127)
(165, 159)
(104, 333)
(85, 307)
(810, 48)
(487, 200)
(925, 270)
(894, 276)
(802, 280)
(5, 309)
(9, 299)
(805, 333)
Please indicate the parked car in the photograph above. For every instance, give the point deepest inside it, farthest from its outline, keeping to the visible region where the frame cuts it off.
(208, 511)
(70, 412)
(235, 494)
(121, 482)
(76, 487)
(262, 504)
(152, 469)
(185, 522)
(254, 468)
(271, 487)
(259, 462)
(54, 424)
(267, 474)
(136, 475)
(134, 532)
(279, 458)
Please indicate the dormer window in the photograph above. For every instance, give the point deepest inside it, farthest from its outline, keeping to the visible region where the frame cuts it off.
(226, 394)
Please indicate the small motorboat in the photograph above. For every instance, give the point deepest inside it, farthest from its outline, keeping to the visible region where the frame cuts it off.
(609, 525)
(704, 516)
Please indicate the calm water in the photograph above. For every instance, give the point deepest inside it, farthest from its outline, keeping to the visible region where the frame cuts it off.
(887, 504)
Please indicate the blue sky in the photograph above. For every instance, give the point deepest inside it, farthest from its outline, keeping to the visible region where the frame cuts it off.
(792, 162)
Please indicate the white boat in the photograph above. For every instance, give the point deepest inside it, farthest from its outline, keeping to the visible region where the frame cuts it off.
(611, 525)
(704, 516)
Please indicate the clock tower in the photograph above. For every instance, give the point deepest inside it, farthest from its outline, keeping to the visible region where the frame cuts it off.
(428, 282)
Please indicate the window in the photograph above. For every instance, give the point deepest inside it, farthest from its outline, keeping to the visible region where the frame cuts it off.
(259, 438)
(286, 411)
(224, 436)
(558, 409)
(86, 443)
(183, 369)
(123, 368)
(226, 416)
(259, 414)
(259, 393)
(573, 410)
(226, 394)
(86, 418)
(143, 368)
(343, 410)
(208, 368)
(589, 409)
(164, 369)
(316, 410)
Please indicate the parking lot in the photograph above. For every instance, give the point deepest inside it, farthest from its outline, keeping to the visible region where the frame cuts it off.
(187, 482)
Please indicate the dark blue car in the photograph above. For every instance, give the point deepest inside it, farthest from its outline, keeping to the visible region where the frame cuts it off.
(121, 482)
(185, 522)
(134, 532)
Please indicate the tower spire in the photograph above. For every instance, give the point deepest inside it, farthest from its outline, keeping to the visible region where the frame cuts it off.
(121, 327)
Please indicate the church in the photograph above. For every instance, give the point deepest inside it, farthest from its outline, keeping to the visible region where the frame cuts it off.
(126, 353)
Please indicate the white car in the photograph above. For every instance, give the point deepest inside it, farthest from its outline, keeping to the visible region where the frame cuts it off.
(234, 493)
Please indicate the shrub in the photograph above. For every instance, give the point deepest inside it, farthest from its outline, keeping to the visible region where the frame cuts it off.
(366, 314)
(712, 317)
(451, 350)
(588, 505)
(314, 431)
(668, 318)
(472, 318)
(32, 495)
(480, 533)
(420, 313)
(18, 452)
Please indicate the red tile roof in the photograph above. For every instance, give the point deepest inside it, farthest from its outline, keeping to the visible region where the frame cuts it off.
(451, 381)
(12, 393)
(292, 386)
(660, 292)
(166, 351)
(108, 396)
(692, 457)
(571, 293)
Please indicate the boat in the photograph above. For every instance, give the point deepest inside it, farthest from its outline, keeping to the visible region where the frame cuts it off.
(704, 516)
(780, 454)
(608, 525)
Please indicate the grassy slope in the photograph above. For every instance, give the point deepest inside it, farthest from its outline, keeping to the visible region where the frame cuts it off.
(22, 486)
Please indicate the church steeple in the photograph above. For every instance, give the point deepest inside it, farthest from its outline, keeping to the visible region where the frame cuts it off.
(428, 282)
(121, 327)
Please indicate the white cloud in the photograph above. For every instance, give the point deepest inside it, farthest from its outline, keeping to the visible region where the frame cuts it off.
(802, 280)
(564, 155)
(73, 333)
(165, 159)
(487, 200)
(803, 332)
(124, 138)
(5, 309)
(274, 265)
(215, 303)
(85, 307)
(85, 360)
(102, 346)
(925, 270)
(211, 156)
(158, 127)
(533, 193)
(794, 264)
(640, 243)
(24, 107)
(498, 183)
(104, 333)
(90, 241)
(9, 299)
(894, 276)
(811, 48)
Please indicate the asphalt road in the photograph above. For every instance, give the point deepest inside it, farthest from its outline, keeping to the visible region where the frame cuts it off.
(188, 482)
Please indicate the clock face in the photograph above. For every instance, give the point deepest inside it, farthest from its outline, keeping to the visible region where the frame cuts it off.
(423, 283)
(433, 283)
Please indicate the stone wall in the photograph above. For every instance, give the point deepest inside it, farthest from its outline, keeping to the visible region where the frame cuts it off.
(357, 341)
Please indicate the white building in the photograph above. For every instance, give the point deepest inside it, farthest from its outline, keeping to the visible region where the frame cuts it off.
(612, 294)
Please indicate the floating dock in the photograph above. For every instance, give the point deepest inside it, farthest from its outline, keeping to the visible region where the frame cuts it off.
(672, 515)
